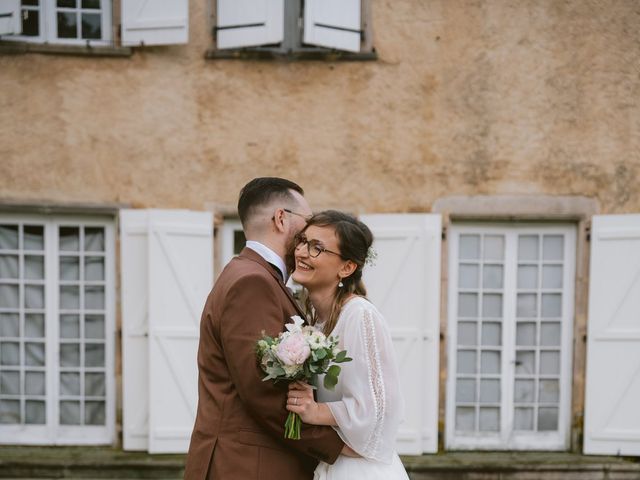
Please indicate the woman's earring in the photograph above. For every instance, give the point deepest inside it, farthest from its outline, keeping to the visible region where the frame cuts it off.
(340, 284)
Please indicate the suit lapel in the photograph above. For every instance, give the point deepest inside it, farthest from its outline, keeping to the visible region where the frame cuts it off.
(252, 255)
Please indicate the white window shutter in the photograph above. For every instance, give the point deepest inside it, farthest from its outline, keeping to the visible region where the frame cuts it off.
(333, 24)
(180, 277)
(404, 284)
(612, 421)
(155, 22)
(134, 254)
(249, 23)
(10, 21)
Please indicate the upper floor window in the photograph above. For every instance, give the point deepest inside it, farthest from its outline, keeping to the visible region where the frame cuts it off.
(85, 22)
(293, 27)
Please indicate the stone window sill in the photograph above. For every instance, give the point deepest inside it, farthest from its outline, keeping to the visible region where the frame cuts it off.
(19, 48)
(301, 55)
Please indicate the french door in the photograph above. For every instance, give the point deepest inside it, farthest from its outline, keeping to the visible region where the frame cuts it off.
(510, 335)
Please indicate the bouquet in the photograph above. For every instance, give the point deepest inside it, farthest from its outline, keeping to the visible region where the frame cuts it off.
(300, 353)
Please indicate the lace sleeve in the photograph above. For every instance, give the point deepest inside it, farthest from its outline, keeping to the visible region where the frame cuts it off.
(370, 409)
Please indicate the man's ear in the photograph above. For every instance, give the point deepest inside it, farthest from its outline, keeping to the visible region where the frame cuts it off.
(278, 219)
(348, 267)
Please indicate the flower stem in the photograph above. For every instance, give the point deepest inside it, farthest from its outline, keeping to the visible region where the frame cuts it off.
(292, 426)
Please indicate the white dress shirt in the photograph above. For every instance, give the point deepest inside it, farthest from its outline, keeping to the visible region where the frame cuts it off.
(269, 255)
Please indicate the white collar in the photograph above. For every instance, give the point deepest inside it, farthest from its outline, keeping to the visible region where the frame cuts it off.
(269, 255)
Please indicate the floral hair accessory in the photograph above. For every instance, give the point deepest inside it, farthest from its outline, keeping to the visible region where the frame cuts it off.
(371, 257)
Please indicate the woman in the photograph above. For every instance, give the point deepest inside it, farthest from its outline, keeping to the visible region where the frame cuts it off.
(366, 407)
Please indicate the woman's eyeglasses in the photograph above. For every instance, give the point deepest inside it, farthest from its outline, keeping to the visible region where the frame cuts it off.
(313, 246)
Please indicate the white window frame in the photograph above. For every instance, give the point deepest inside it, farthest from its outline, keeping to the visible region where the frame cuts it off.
(48, 26)
(53, 433)
(506, 438)
(229, 227)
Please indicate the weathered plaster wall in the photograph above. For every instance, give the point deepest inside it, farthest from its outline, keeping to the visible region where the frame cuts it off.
(467, 97)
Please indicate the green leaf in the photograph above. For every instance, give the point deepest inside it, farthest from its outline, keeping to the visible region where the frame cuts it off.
(330, 381)
(345, 359)
(320, 353)
(341, 356)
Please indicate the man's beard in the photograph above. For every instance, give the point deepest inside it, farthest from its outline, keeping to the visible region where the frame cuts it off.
(289, 257)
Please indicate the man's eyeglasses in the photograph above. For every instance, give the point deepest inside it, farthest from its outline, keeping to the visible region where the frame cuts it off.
(306, 217)
(313, 246)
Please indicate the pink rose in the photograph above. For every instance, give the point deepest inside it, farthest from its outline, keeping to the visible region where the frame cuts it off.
(293, 350)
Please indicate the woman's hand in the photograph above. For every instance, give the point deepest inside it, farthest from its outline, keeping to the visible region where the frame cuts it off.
(347, 451)
(300, 400)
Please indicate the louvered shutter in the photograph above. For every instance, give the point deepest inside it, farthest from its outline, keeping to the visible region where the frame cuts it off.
(333, 24)
(155, 22)
(10, 21)
(249, 23)
(612, 418)
(404, 284)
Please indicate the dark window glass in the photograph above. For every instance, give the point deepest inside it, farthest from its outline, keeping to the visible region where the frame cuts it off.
(30, 23)
(67, 25)
(67, 3)
(91, 4)
(91, 26)
(31, 3)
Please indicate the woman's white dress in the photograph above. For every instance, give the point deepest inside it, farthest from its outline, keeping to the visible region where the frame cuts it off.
(366, 403)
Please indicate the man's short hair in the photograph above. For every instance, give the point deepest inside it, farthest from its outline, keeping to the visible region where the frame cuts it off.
(261, 191)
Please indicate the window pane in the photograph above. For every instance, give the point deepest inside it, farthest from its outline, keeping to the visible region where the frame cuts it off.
(467, 333)
(547, 419)
(69, 297)
(94, 355)
(9, 297)
(94, 384)
(67, 26)
(9, 267)
(34, 354)
(526, 305)
(489, 391)
(492, 276)
(34, 383)
(35, 412)
(528, 247)
(493, 247)
(466, 361)
(465, 390)
(94, 413)
(469, 247)
(465, 419)
(94, 298)
(526, 334)
(491, 334)
(69, 413)
(94, 326)
(8, 237)
(34, 296)
(9, 383)
(30, 2)
(239, 241)
(550, 334)
(490, 362)
(91, 26)
(34, 267)
(34, 325)
(94, 268)
(67, 3)
(468, 276)
(69, 355)
(527, 277)
(70, 236)
(549, 391)
(492, 305)
(489, 419)
(523, 391)
(552, 276)
(551, 305)
(69, 268)
(553, 247)
(9, 325)
(91, 4)
(9, 411)
(33, 237)
(69, 383)
(525, 362)
(467, 305)
(9, 353)
(69, 326)
(549, 363)
(30, 23)
(523, 419)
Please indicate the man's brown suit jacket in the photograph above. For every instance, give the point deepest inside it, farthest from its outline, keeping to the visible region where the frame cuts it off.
(239, 427)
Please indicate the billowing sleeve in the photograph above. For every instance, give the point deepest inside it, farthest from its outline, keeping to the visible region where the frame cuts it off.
(371, 407)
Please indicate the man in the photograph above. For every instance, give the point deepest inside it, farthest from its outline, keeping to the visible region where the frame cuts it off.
(239, 428)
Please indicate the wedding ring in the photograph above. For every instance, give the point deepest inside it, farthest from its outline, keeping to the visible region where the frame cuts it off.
(295, 400)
